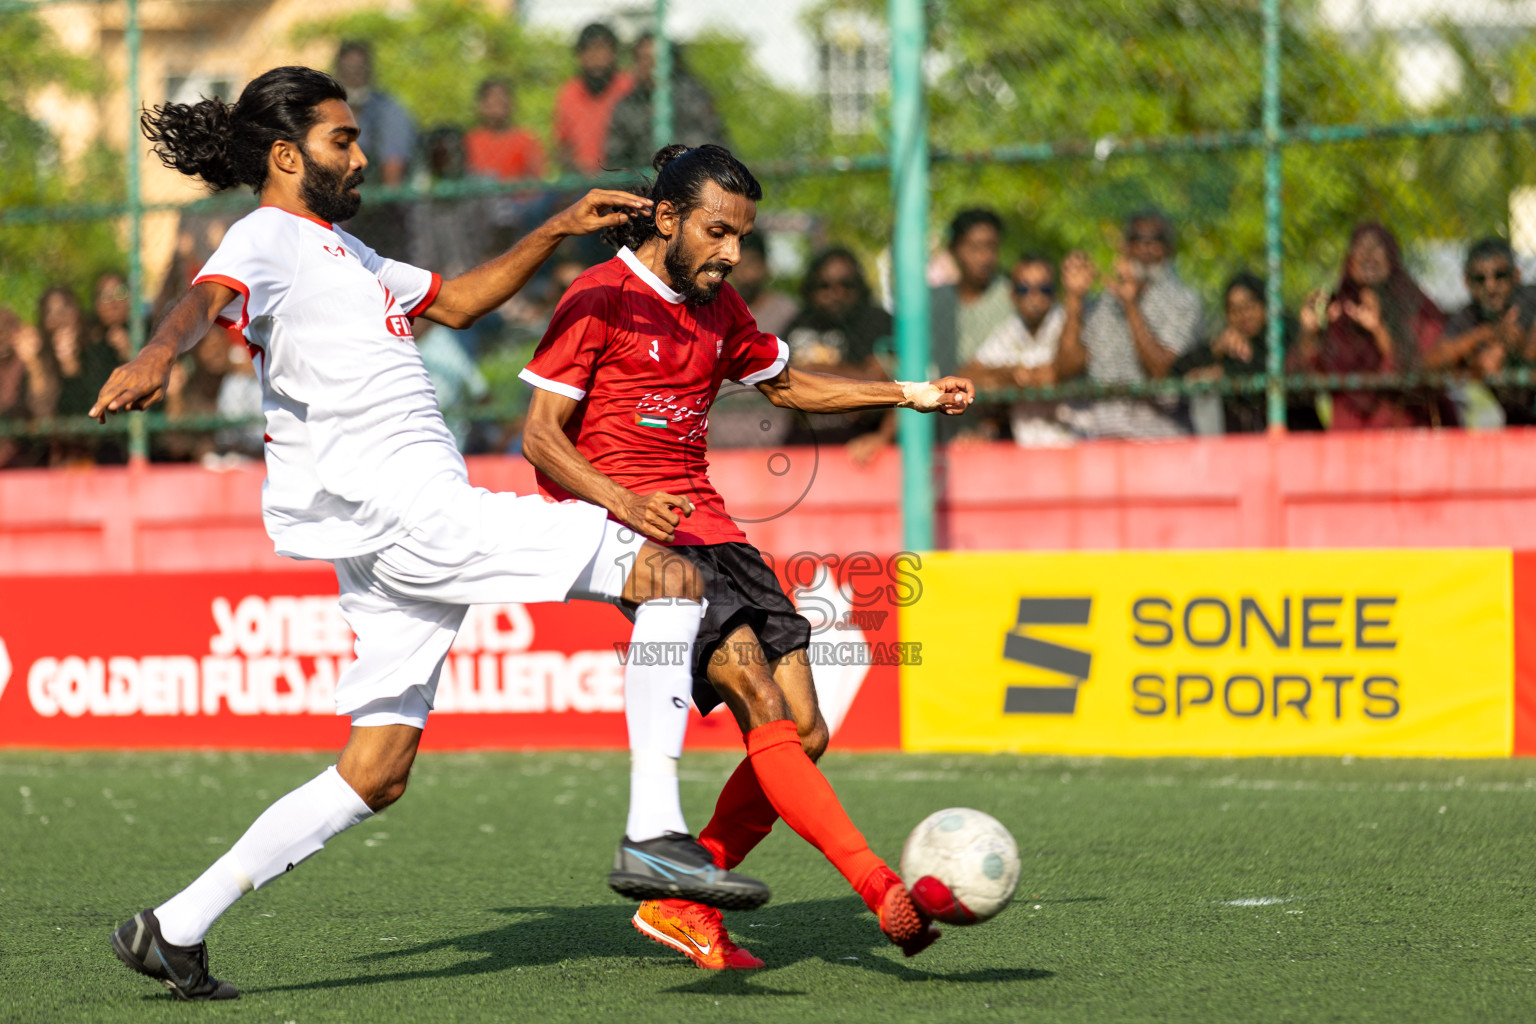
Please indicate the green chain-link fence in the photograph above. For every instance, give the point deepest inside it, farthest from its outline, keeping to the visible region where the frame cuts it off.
(1265, 130)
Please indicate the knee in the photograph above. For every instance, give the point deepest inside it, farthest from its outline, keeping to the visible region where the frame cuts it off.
(377, 785)
(746, 688)
(386, 792)
(753, 697)
(814, 742)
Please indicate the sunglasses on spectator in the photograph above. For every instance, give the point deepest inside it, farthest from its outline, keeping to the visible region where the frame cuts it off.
(1025, 288)
(829, 283)
(1140, 237)
(1492, 276)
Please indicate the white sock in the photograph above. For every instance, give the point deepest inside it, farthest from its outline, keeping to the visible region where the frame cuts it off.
(656, 699)
(291, 830)
(654, 806)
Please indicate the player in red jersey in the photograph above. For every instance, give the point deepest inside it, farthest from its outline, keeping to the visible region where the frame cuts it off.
(624, 379)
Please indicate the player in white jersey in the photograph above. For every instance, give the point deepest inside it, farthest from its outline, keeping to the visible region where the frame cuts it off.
(363, 472)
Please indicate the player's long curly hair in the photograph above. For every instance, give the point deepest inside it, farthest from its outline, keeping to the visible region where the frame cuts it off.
(227, 144)
(681, 172)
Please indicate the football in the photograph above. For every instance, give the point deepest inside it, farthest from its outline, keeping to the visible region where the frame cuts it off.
(960, 865)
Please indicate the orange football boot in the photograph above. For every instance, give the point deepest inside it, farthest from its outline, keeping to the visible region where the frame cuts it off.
(694, 930)
(905, 923)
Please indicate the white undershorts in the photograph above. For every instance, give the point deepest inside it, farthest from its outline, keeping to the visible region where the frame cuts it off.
(406, 602)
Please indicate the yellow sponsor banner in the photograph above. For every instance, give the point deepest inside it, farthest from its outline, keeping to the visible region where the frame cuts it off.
(1212, 652)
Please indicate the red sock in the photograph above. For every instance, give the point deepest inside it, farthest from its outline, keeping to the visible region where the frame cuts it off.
(743, 817)
(804, 799)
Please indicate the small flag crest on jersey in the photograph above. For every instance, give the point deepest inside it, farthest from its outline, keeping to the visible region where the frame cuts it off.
(650, 421)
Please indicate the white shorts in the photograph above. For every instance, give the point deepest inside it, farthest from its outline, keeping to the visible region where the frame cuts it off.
(406, 602)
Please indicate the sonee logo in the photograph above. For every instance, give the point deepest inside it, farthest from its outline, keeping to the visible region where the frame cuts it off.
(1020, 647)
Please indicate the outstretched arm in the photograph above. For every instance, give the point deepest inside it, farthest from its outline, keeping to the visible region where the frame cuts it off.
(546, 445)
(822, 392)
(474, 293)
(141, 382)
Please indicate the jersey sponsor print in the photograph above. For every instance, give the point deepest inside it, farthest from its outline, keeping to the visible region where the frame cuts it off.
(352, 423)
(644, 369)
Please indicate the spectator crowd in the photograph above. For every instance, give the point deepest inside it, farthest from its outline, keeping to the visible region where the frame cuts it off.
(1008, 322)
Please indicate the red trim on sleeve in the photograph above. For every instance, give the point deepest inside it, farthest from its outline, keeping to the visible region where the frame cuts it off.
(431, 297)
(232, 284)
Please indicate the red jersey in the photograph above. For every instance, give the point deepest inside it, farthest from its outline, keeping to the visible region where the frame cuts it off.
(581, 119)
(645, 369)
(506, 155)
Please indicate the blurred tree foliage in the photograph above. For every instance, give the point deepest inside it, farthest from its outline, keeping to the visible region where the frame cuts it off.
(35, 256)
(1090, 75)
(1005, 73)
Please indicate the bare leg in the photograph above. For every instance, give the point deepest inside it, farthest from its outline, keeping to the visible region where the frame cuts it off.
(376, 762)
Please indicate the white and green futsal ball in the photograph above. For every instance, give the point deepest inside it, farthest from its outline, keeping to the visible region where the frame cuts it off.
(960, 865)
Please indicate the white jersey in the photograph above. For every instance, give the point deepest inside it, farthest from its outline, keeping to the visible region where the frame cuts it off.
(355, 444)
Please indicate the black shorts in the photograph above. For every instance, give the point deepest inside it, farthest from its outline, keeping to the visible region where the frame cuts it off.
(741, 591)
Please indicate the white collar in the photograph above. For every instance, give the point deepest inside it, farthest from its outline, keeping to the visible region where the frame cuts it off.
(643, 272)
(1049, 327)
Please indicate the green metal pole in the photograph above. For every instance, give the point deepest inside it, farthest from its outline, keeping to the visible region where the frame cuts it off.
(661, 87)
(1273, 220)
(138, 433)
(909, 188)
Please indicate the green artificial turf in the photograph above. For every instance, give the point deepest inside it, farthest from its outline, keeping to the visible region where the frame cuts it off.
(1200, 890)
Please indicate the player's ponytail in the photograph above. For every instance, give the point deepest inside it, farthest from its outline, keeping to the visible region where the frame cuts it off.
(681, 172)
(227, 145)
(640, 227)
(194, 138)
(666, 155)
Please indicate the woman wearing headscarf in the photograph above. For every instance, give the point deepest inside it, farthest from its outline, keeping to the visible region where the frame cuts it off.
(78, 364)
(1241, 349)
(25, 393)
(1377, 321)
(82, 361)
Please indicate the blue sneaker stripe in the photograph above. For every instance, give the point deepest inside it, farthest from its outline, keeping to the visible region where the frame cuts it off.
(671, 869)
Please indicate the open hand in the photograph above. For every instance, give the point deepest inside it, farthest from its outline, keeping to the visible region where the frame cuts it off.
(1508, 331)
(655, 516)
(28, 343)
(1077, 274)
(1230, 342)
(1129, 280)
(137, 384)
(1366, 312)
(599, 209)
(1312, 312)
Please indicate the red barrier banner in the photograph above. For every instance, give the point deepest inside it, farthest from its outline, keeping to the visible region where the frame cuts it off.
(250, 661)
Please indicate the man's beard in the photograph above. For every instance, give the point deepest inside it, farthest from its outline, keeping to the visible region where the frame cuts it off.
(1489, 313)
(685, 275)
(328, 193)
(597, 81)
